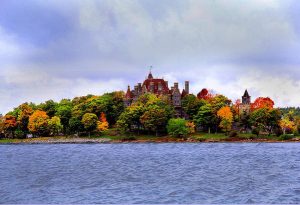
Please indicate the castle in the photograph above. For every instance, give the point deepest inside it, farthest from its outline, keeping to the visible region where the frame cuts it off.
(159, 86)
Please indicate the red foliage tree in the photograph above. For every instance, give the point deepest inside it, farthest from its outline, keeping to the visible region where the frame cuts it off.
(262, 102)
(205, 94)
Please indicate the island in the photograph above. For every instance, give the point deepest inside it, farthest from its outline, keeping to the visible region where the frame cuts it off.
(151, 112)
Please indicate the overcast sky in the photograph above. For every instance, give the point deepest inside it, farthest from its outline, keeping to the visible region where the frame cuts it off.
(61, 49)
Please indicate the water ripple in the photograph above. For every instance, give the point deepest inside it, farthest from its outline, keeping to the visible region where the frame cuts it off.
(150, 173)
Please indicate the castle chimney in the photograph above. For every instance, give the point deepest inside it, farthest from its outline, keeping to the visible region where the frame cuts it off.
(135, 89)
(187, 87)
(139, 87)
(176, 86)
(167, 84)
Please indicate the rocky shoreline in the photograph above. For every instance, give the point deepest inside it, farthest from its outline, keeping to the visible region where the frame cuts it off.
(78, 140)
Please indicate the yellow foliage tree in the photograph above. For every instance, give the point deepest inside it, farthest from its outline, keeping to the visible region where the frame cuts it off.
(102, 124)
(286, 124)
(191, 127)
(226, 118)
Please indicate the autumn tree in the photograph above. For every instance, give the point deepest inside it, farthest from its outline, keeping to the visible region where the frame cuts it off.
(191, 127)
(55, 126)
(89, 121)
(1, 126)
(23, 117)
(236, 110)
(205, 94)
(102, 124)
(226, 118)
(262, 102)
(10, 125)
(38, 123)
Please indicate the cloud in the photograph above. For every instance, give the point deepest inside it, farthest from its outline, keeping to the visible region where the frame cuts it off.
(55, 49)
(38, 86)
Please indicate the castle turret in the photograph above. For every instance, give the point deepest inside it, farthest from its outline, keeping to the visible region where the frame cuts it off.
(150, 76)
(128, 97)
(246, 98)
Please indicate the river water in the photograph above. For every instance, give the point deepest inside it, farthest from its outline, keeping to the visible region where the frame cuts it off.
(150, 173)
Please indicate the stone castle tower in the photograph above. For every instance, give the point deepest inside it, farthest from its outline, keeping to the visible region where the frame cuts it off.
(245, 106)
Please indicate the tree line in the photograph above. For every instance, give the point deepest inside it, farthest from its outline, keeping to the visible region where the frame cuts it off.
(150, 114)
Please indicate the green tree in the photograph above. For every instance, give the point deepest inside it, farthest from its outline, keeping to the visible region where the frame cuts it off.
(265, 119)
(64, 112)
(54, 125)
(205, 117)
(219, 101)
(191, 105)
(89, 121)
(76, 125)
(177, 127)
(155, 118)
(130, 118)
(49, 107)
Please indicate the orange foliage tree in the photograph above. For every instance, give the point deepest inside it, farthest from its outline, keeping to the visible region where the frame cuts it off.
(38, 123)
(226, 118)
(10, 124)
(236, 108)
(102, 124)
(262, 102)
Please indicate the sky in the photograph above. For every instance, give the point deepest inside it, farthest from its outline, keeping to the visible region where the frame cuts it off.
(53, 49)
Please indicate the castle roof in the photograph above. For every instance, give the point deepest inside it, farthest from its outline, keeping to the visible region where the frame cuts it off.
(246, 94)
(156, 83)
(184, 93)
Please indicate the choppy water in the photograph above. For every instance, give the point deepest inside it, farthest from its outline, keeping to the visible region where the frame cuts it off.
(150, 173)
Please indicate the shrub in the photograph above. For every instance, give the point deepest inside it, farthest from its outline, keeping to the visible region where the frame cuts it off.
(233, 134)
(286, 137)
(278, 132)
(19, 134)
(255, 131)
(177, 127)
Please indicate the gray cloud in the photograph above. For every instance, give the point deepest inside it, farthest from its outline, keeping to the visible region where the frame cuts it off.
(74, 47)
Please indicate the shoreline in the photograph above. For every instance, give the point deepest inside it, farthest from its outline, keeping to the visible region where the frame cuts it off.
(82, 140)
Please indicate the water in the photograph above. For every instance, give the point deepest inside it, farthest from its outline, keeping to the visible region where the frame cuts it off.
(150, 173)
